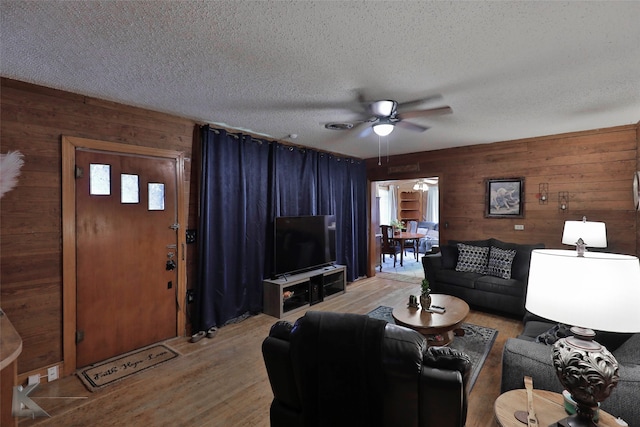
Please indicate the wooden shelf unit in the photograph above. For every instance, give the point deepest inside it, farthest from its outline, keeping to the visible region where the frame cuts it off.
(410, 206)
(309, 288)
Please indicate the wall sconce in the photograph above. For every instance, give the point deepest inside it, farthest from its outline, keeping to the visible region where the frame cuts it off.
(543, 193)
(563, 200)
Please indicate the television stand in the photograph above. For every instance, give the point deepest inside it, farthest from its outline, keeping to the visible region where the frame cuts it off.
(295, 292)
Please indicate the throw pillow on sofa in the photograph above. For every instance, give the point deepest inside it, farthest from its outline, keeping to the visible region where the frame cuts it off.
(500, 261)
(472, 259)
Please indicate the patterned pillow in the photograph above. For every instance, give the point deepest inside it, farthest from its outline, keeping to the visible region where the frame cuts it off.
(472, 258)
(500, 261)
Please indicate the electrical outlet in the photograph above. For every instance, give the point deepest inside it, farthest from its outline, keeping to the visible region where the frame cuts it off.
(519, 227)
(52, 373)
(34, 379)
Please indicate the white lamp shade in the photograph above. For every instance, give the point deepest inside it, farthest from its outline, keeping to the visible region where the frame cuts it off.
(383, 129)
(599, 291)
(593, 234)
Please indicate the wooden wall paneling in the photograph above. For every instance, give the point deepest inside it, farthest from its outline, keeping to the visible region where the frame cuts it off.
(637, 219)
(85, 117)
(33, 118)
(589, 165)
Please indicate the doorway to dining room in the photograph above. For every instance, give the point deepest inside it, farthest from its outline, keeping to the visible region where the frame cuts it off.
(412, 205)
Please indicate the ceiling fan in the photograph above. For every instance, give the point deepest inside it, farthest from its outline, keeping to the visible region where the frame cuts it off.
(383, 116)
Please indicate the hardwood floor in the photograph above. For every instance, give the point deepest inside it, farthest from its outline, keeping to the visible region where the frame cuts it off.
(223, 382)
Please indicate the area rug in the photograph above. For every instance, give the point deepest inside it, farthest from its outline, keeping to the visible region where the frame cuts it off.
(476, 342)
(120, 367)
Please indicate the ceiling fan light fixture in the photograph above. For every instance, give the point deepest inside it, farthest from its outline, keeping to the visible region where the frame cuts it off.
(421, 185)
(383, 108)
(383, 129)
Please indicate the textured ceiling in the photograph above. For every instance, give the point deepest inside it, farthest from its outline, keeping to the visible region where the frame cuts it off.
(508, 70)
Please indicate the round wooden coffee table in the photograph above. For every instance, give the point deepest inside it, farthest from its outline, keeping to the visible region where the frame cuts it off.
(438, 328)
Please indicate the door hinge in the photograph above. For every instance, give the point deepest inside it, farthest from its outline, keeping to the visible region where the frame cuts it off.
(79, 172)
(79, 336)
(174, 226)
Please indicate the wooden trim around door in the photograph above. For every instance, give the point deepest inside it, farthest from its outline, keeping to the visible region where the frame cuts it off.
(69, 145)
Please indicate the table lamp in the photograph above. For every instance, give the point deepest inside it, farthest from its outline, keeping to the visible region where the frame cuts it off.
(594, 291)
(584, 233)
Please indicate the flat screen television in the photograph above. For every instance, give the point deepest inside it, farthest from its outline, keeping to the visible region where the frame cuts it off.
(304, 242)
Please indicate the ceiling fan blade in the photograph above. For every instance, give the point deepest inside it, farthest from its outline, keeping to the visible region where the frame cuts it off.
(354, 120)
(417, 114)
(411, 126)
(360, 130)
(418, 102)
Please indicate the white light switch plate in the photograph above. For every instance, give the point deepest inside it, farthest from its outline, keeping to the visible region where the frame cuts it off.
(52, 373)
(519, 227)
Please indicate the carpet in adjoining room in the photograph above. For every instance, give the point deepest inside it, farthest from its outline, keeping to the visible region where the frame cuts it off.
(410, 271)
(476, 342)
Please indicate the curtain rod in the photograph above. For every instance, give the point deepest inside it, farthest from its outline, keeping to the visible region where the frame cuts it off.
(290, 146)
(236, 135)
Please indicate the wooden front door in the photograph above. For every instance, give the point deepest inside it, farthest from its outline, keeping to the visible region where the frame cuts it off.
(126, 253)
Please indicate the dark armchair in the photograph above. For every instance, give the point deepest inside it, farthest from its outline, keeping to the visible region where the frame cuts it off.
(339, 369)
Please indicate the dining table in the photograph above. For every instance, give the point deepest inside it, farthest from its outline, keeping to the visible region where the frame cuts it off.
(402, 237)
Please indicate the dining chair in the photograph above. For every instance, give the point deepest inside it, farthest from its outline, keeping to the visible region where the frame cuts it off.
(412, 227)
(389, 246)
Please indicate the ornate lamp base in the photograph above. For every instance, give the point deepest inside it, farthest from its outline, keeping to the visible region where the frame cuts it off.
(588, 371)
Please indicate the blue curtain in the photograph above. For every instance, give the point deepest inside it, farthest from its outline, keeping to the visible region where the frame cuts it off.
(343, 184)
(232, 229)
(296, 183)
(245, 184)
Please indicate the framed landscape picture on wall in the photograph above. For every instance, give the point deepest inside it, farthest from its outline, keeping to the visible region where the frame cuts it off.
(504, 198)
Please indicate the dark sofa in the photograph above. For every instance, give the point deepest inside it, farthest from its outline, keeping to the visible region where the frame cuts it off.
(524, 355)
(490, 274)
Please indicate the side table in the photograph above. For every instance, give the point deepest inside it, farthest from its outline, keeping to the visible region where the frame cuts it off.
(549, 408)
